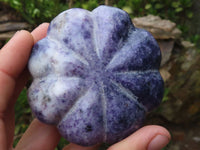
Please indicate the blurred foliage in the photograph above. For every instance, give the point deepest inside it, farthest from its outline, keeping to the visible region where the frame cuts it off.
(37, 11)
(175, 10)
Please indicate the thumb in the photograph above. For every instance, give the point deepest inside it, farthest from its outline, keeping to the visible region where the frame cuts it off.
(147, 138)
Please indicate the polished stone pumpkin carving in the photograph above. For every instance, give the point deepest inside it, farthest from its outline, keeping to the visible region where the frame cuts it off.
(95, 75)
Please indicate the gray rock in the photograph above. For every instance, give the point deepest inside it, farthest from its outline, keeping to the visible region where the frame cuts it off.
(166, 47)
(160, 28)
(6, 35)
(165, 74)
(8, 29)
(13, 26)
(187, 45)
(189, 55)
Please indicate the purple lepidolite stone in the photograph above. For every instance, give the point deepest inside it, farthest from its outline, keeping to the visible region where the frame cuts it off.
(95, 75)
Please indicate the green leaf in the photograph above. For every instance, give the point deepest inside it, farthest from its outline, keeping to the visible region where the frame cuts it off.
(165, 97)
(36, 12)
(17, 3)
(159, 6)
(148, 6)
(179, 9)
(175, 4)
(17, 129)
(27, 110)
(190, 15)
(127, 9)
(84, 6)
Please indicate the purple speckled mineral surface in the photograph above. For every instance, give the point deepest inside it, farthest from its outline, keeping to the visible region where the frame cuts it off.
(95, 75)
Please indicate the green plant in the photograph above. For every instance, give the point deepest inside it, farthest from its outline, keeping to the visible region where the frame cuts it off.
(170, 9)
(61, 144)
(165, 96)
(196, 40)
(37, 11)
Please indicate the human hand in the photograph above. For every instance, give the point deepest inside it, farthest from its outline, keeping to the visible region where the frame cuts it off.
(14, 75)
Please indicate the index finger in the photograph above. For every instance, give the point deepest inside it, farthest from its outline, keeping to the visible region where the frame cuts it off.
(13, 60)
(15, 54)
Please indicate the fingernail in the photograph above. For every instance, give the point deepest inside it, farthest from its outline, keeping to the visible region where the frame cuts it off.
(158, 142)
